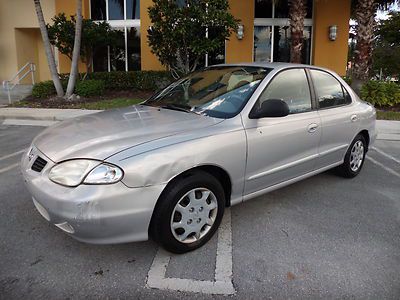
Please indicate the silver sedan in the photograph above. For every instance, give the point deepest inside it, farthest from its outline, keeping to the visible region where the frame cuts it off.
(168, 167)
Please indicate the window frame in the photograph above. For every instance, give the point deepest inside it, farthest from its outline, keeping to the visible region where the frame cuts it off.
(315, 91)
(124, 24)
(310, 88)
(276, 22)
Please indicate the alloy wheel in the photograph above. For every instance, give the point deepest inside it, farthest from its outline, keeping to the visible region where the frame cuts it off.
(356, 156)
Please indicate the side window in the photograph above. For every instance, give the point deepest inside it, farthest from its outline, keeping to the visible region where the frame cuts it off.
(330, 92)
(347, 96)
(292, 87)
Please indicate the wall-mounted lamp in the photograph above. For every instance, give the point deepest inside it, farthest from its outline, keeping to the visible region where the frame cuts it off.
(240, 32)
(333, 32)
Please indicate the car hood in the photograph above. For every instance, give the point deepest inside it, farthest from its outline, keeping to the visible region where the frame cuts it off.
(103, 134)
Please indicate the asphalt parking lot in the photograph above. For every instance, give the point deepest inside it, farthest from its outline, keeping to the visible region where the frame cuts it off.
(325, 237)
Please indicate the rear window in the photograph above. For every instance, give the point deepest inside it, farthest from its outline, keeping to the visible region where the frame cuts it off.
(329, 91)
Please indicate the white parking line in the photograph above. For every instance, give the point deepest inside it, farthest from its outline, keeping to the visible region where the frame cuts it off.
(223, 270)
(391, 171)
(386, 155)
(9, 168)
(11, 155)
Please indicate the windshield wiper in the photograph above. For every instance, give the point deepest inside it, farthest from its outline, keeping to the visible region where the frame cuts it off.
(183, 108)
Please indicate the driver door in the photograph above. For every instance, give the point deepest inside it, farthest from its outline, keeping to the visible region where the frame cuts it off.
(283, 148)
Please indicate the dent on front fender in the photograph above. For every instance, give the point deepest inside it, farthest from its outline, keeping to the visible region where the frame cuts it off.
(159, 166)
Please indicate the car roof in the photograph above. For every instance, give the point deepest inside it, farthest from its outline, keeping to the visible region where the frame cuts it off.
(273, 65)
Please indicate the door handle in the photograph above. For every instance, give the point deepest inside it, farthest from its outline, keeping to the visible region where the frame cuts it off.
(312, 127)
(354, 118)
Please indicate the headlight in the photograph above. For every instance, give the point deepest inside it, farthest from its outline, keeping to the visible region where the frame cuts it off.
(73, 172)
(104, 174)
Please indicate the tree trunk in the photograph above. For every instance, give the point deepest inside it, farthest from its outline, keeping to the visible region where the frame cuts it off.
(49, 53)
(365, 18)
(297, 13)
(76, 51)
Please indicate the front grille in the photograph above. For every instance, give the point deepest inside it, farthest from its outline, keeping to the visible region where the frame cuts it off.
(39, 164)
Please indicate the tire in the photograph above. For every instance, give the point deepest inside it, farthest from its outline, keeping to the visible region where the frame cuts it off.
(172, 220)
(354, 159)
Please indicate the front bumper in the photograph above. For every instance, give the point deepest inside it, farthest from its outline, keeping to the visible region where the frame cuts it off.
(99, 214)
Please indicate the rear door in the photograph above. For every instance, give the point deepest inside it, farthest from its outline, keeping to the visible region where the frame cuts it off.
(339, 121)
(282, 148)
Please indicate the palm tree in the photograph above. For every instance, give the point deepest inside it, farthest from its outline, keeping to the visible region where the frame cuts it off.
(49, 53)
(297, 13)
(76, 51)
(364, 12)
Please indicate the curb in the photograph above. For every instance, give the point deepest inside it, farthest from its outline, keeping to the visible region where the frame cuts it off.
(43, 114)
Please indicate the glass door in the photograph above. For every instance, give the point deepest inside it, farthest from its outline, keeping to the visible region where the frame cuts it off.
(282, 41)
(272, 38)
(262, 43)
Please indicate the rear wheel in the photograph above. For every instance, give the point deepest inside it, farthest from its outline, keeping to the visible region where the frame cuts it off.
(188, 213)
(354, 158)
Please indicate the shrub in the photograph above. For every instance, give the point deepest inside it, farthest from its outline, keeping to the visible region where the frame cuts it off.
(139, 80)
(43, 89)
(381, 93)
(46, 88)
(89, 88)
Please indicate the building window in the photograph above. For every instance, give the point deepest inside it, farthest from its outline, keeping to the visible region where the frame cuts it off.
(118, 52)
(100, 60)
(98, 10)
(262, 43)
(218, 56)
(133, 41)
(116, 9)
(132, 9)
(272, 32)
(263, 9)
(105, 10)
(277, 9)
(123, 16)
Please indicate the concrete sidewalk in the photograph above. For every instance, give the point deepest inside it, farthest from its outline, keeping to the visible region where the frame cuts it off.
(43, 114)
(388, 130)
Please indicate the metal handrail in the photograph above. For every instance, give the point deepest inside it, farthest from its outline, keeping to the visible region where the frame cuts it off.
(9, 85)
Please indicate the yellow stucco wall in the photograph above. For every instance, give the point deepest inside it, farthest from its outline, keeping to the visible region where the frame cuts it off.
(27, 40)
(30, 47)
(148, 60)
(15, 16)
(241, 50)
(326, 53)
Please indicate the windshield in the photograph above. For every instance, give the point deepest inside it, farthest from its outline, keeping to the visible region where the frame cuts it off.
(219, 92)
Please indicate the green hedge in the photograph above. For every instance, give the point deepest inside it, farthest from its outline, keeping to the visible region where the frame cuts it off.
(140, 80)
(89, 88)
(121, 80)
(381, 93)
(46, 88)
(116, 80)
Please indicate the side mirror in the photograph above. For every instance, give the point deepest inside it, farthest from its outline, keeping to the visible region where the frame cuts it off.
(272, 108)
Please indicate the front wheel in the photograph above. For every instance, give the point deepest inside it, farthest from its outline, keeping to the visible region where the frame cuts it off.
(188, 213)
(354, 158)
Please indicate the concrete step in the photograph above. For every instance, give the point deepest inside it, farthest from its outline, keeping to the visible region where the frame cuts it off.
(19, 92)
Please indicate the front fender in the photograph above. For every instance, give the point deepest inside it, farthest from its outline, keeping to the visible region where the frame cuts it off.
(161, 164)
